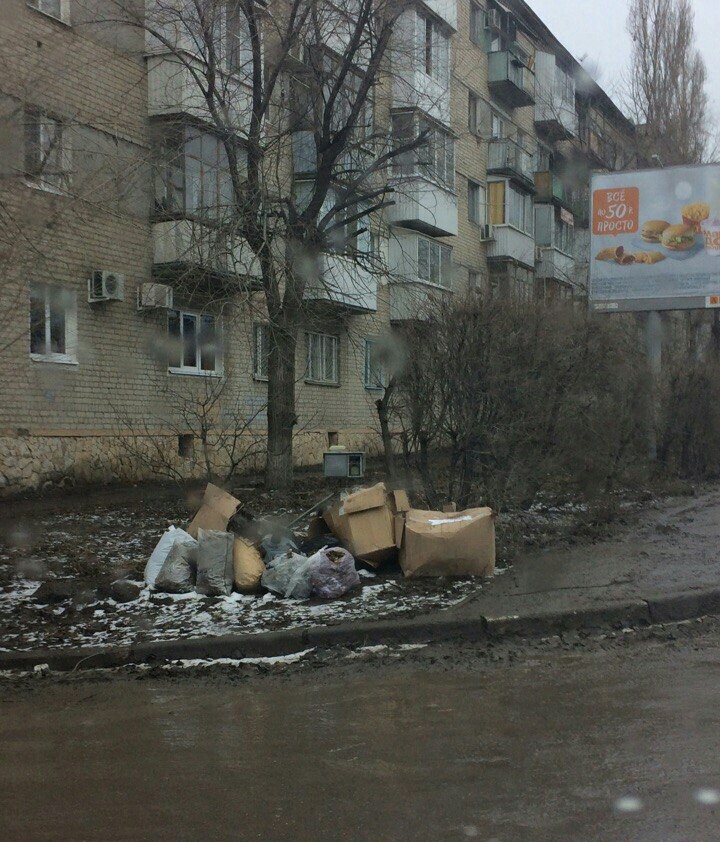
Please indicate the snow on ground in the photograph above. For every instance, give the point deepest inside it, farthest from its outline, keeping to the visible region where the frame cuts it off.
(115, 541)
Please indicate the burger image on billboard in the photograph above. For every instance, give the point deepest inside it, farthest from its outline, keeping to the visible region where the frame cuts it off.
(652, 231)
(678, 238)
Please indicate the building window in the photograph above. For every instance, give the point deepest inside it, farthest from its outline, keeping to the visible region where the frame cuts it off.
(473, 125)
(474, 280)
(192, 175)
(509, 206)
(322, 358)
(436, 50)
(434, 262)
(477, 24)
(434, 158)
(194, 347)
(476, 202)
(497, 126)
(54, 8)
(47, 153)
(374, 375)
(53, 316)
(261, 351)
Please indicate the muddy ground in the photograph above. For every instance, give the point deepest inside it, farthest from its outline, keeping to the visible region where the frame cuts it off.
(91, 539)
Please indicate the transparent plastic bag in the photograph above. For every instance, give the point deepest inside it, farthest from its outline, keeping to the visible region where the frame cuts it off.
(332, 572)
(287, 575)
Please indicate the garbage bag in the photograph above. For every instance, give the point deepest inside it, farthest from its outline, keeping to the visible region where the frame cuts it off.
(177, 575)
(215, 563)
(286, 576)
(248, 566)
(275, 545)
(160, 553)
(332, 572)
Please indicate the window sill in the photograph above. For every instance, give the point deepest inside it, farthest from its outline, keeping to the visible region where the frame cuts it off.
(260, 379)
(45, 14)
(58, 359)
(192, 373)
(369, 388)
(325, 383)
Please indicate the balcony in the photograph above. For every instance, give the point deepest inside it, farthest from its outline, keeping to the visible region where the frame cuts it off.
(172, 91)
(424, 206)
(414, 301)
(412, 88)
(557, 119)
(510, 243)
(344, 284)
(556, 265)
(505, 157)
(550, 188)
(351, 163)
(184, 245)
(510, 80)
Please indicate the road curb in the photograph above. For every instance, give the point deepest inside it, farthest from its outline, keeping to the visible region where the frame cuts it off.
(442, 626)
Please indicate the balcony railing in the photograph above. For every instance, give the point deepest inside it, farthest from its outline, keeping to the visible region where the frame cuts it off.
(510, 243)
(345, 284)
(424, 206)
(506, 157)
(556, 265)
(510, 79)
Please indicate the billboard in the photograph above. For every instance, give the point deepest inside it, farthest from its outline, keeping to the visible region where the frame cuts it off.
(655, 239)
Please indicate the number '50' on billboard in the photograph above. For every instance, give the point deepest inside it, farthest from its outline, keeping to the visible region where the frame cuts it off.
(616, 211)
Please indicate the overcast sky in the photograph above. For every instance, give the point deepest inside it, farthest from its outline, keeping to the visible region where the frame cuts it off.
(596, 28)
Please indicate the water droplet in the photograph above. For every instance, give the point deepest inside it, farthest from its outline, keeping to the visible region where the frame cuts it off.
(707, 796)
(628, 804)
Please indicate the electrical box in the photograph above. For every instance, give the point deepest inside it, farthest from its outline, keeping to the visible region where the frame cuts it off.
(343, 463)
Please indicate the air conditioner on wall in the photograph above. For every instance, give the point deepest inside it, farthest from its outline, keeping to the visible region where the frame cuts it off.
(105, 286)
(152, 296)
(486, 232)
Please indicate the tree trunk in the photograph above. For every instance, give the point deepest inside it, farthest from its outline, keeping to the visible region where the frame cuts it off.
(382, 407)
(281, 409)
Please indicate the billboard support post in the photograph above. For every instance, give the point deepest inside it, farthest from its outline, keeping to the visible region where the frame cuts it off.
(653, 349)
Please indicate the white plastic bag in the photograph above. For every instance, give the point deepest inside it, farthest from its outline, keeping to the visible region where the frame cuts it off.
(160, 553)
(286, 576)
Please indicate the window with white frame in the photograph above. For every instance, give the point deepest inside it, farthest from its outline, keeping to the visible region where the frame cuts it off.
(434, 262)
(436, 48)
(374, 375)
(476, 202)
(194, 346)
(47, 152)
(433, 158)
(261, 351)
(520, 211)
(54, 8)
(53, 323)
(322, 358)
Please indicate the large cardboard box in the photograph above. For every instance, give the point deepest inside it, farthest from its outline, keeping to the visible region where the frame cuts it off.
(365, 521)
(217, 509)
(448, 543)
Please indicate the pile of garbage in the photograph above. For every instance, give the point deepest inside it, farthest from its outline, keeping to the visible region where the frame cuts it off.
(223, 547)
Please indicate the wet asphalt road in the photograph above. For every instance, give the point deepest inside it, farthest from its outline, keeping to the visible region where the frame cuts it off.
(520, 752)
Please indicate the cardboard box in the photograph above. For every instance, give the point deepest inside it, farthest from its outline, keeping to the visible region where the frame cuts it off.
(217, 509)
(365, 521)
(448, 543)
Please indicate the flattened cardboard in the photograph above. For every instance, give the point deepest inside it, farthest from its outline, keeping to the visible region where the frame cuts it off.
(217, 509)
(448, 543)
(365, 522)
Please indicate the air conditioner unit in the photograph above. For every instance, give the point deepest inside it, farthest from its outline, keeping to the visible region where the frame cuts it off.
(493, 20)
(152, 296)
(105, 286)
(486, 232)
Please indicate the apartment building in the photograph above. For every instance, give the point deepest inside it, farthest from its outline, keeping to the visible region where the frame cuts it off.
(122, 304)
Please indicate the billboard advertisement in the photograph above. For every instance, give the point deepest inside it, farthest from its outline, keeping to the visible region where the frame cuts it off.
(655, 239)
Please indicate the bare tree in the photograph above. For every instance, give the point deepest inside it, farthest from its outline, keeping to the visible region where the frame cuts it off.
(665, 89)
(286, 86)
